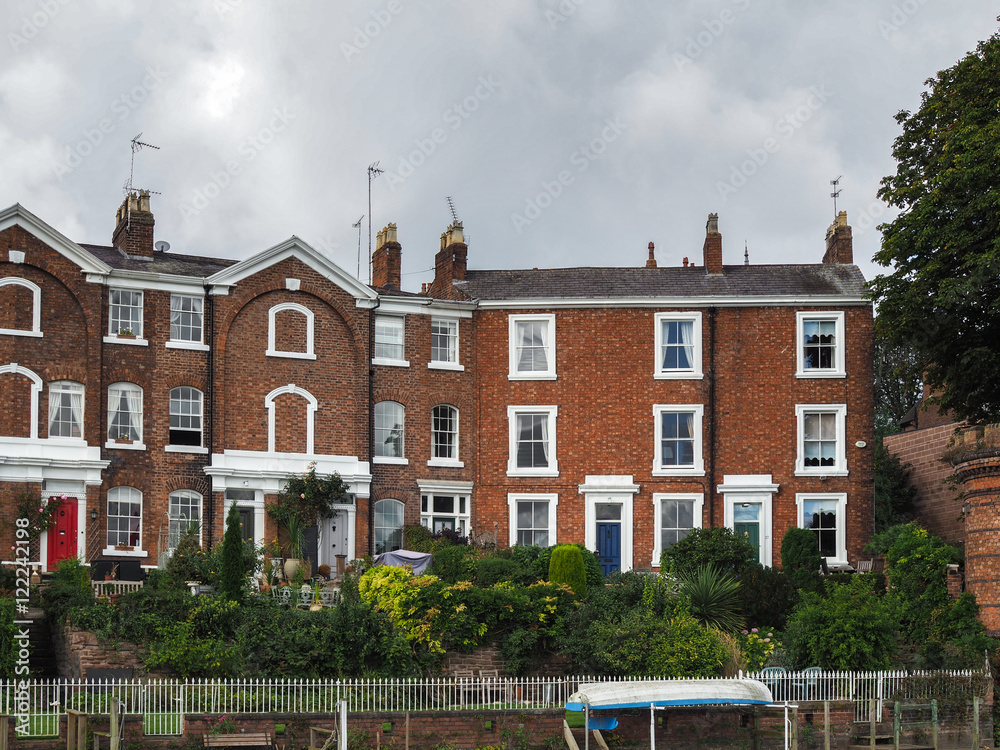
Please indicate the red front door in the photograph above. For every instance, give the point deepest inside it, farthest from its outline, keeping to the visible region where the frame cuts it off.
(62, 536)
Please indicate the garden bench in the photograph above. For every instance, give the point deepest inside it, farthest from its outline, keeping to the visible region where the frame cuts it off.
(243, 739)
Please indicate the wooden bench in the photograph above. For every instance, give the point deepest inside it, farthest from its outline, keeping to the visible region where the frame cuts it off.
(244, 739)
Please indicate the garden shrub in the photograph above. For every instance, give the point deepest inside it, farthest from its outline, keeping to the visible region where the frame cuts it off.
(800, 558)
(454, 563)
(8, 646)
(757, 645)
(713, 598)
(852, 629)
(591, 566)
(183, 564)
(767, 595)
(566, 566)
(672, 646)
(717, 546)
(8, 581)
(492, 570)
(417, 538)
(69, 588)
(232, 576)
(201, 645)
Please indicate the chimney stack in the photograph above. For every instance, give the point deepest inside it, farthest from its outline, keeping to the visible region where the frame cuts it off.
(713, 246)
(133, 233)
(450, 263)
(839, 241)
(651, 263)
(387, 259)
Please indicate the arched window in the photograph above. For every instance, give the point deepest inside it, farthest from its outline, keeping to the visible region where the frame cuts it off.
(290, 331)
(444, 435)
(14, 406)
(124, 517)
(388, 526)
(389, 416)
(18, 317)
(185, 416)
(184, 514)
(65, 409)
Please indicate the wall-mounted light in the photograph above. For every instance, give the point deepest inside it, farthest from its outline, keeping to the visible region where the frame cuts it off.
(745, 505)
(93, 515)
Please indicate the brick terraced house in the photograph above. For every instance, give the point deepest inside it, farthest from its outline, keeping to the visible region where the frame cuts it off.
(144, 389)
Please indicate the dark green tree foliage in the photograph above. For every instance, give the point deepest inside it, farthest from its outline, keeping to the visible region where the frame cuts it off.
(232, 577)
(853, 628)
(893, 495)
(718, 547)
(767, 597)
(69, 588)
(800, 558)
(543, 557)
(898, 385)
(493, 570)
(713, 598)
(942, 298)
(918, 566)
(8, 646)
(566, 566)
(183, 563)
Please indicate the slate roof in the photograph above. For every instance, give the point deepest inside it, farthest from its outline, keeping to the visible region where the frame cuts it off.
(169, 263)
(819, 280)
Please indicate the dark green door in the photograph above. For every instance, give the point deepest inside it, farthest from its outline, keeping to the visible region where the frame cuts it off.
(746, 522)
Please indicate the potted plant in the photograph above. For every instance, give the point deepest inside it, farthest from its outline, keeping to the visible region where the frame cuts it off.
(126, 333)
(304, 500)
(124, 437)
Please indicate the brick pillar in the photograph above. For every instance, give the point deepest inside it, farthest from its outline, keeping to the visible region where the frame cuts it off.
(978, 472)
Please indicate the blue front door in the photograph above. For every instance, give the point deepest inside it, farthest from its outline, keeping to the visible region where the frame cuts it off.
(609, 547)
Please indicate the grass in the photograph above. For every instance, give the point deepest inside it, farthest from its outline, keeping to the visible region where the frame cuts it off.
(574, 719)
(162, 723)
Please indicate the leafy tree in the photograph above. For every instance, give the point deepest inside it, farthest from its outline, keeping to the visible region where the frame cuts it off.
(893, 495)
(718, 547)
(942, 298)
(898, 383)
(767, 596)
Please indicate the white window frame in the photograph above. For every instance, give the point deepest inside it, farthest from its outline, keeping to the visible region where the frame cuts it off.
(137, 442)
(272, 350)
(36, 307)
(114, 327)
(839, 370)
(698, 467)
(697, 498)
(461, 491)
(695, 371)
(445, 364)
(311, 406)
(840, 498)
(514, 498)
(391, 361)
(550, 347)
(57, 388)
(173, 535)
(453, 460)
(134, 496)
(401, 460)
(375, 526)
(181, 448)
(839, 469)
(551, 413)
(256, 504)
(195, 344)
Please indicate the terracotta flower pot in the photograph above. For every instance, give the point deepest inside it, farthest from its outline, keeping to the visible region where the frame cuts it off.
(290, 567)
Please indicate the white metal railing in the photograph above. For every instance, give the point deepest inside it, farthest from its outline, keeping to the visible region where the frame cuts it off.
(102, 588)
(863, 687)
(163, 702)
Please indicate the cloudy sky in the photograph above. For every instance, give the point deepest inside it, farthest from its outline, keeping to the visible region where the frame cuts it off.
(566, 133)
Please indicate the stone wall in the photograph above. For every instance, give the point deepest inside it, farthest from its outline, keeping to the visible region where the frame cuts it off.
(78, 652)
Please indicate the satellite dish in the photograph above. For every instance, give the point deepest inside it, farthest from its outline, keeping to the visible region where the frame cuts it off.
(162, 246)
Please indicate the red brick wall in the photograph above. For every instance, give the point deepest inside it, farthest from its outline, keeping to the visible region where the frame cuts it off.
(16, 304)
(936, 503)
(605, 423)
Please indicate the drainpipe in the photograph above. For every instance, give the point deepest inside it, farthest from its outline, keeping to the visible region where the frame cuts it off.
(371, 424)
(710, 490)
(208, 412)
